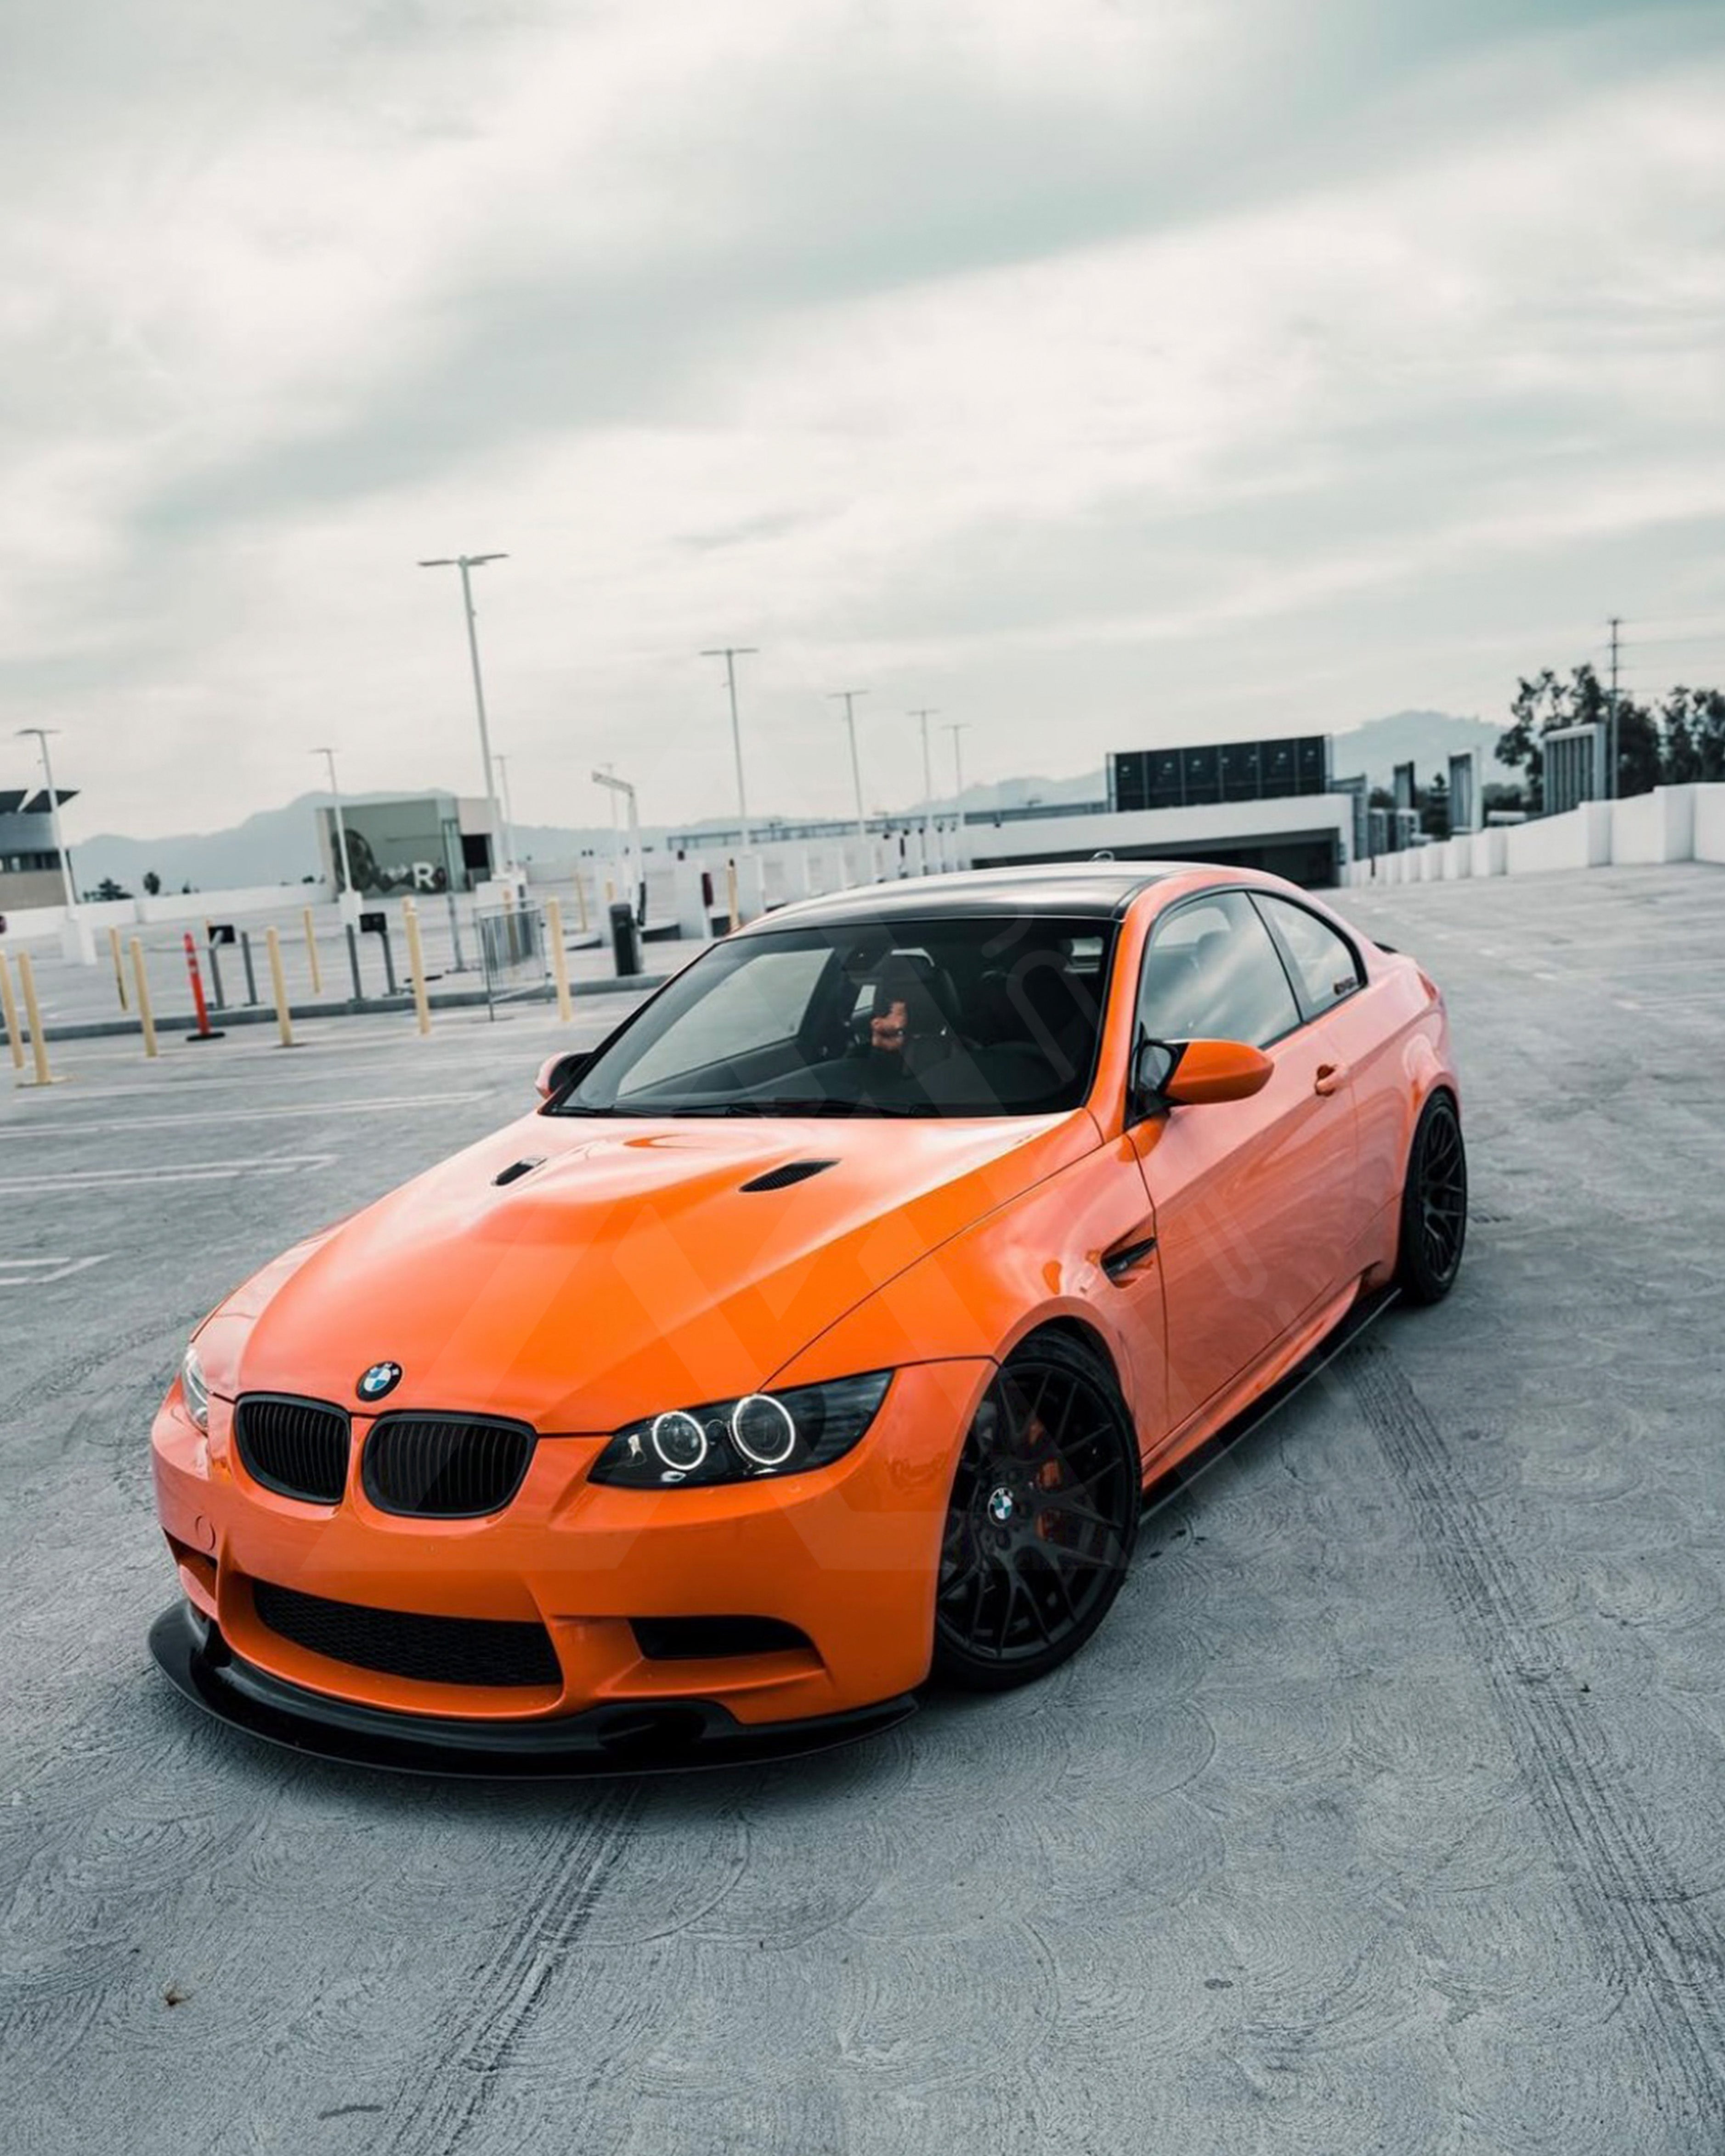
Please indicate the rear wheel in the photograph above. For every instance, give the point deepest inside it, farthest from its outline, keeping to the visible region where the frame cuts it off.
(1042, 1521)
(1433, 1225)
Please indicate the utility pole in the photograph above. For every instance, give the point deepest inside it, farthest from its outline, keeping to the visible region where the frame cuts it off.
(329, 757)
(465, 563)
(1611, 727)
(955, 727)
(924, 716)
(847, 697)
(41, 735)
(731, 653)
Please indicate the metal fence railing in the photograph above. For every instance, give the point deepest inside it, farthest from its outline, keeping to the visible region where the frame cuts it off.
(513, 953)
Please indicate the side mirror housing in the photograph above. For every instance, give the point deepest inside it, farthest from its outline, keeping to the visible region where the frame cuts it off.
(559, 1071)
(1209, 1070)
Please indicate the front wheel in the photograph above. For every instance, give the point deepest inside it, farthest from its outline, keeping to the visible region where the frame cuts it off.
(1042, 1521)
(1433, 1225)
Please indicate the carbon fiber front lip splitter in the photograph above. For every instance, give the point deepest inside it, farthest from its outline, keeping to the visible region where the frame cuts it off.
(646, 1737)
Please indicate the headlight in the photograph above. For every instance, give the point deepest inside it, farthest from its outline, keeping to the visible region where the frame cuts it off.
(193, 1389)
(761, 1434)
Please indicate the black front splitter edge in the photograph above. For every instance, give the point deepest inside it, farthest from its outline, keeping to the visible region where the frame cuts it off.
(644, 1737)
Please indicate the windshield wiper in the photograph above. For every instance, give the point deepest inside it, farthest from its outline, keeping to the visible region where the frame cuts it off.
(822, 1104)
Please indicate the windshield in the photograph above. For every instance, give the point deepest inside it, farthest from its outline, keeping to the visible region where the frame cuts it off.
(990, 1016)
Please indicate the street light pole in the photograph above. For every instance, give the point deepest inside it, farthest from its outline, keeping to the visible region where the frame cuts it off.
(41, 734)
(329, 756)
(731, 653)
(847, 697)
(927, 778)
(955, 727)
(607, 779)
(502, 762)
(466, 563)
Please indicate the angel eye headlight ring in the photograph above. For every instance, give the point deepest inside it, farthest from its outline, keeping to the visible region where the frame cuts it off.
(763, 1429)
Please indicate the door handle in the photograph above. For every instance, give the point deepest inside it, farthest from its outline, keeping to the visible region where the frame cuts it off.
(1126, 1257)
(1330, 1078)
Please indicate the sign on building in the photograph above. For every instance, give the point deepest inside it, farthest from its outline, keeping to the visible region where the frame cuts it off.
(408, 845)
(1466, 792)
(1216, 771)
(1575, 766)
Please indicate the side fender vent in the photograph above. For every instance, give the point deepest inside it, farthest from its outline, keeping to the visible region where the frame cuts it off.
(517, 1168)
(793, 1171)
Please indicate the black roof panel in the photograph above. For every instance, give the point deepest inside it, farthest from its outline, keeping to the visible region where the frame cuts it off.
(1063, 889)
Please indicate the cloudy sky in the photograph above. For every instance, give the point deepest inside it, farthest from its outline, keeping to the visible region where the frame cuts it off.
(1099, 371)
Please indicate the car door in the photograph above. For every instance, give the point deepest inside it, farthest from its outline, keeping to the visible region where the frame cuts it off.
(1344, 1012)
(1252, 1198)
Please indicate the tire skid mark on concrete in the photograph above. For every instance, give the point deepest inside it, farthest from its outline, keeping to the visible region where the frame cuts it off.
(497, 2004)
(1649, 1935)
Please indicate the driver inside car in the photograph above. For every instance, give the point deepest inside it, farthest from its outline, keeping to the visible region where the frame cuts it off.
(910, 1030)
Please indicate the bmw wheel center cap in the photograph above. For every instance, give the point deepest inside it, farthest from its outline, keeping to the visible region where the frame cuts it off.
(382, 1378)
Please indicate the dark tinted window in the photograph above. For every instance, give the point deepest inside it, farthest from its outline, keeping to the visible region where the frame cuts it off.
(1323, 964)
(1212, 973)
(898, 1015)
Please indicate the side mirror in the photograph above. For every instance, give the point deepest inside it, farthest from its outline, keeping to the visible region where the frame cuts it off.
(1216, 1070)
(559, 1071)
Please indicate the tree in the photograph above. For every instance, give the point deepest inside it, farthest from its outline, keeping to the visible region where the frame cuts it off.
(107, 890)
(1434, 808)
(1693, 720)
(153, 883)
(1544, 704)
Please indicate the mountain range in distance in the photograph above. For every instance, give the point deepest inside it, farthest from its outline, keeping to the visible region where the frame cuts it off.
(279, 845)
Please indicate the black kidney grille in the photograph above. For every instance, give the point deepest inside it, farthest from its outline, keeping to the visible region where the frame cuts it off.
(454, 1650)
(445, 1467)
(297, 1448)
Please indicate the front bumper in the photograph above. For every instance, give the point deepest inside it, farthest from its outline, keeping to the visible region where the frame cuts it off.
(668, 1736)
(848, 1555)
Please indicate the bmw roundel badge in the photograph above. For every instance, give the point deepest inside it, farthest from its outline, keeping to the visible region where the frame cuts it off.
(382, 1378)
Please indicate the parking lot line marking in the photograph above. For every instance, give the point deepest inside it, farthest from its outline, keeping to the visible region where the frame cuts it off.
(243, 1115)
(37, 1272)
(73, 1181)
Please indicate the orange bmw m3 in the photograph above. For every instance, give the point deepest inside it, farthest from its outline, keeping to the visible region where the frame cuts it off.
(821, 1331)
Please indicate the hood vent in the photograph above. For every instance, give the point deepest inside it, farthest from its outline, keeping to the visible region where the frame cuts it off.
(793, 1171)
(517, 1168)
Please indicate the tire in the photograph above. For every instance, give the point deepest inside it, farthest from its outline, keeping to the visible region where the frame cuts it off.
(1042, 1519)
(1434, 1223)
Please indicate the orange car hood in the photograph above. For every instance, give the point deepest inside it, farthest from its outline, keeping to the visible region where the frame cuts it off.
(629, 1272)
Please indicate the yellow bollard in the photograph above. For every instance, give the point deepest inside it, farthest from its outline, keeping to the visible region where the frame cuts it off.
(9, 1004)
(731, 892)
(284, 1016)
(33, 1012)
(416, 964)
(141, 981)
(581, 899)
(559, 961)
(311, 954)
(119, 970)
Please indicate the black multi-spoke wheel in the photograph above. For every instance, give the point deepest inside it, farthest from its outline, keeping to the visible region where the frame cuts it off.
(1434, 1204)
(1043, 1515)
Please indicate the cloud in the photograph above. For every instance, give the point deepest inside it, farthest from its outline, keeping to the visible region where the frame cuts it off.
(1095, 372)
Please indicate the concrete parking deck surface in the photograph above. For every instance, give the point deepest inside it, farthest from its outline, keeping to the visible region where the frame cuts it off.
(1387, 1813)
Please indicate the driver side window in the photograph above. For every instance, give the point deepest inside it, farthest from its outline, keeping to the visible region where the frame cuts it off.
(1211, 972)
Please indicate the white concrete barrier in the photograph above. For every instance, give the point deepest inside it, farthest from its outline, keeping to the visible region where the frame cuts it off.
(1659, 826)
(1710, 823)
(1488, 850)
(197, 907)
(1580, 839)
